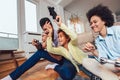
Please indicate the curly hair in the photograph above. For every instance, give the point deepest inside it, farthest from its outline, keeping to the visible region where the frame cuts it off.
(103, 12)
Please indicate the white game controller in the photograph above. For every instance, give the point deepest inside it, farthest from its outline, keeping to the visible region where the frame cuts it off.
(105, 60)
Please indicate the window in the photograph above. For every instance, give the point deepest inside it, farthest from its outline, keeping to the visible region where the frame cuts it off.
(8, 18)
(30, 16)
(8, 25)
(76, 27)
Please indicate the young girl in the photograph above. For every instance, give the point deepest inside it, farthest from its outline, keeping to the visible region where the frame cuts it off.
(69, 49)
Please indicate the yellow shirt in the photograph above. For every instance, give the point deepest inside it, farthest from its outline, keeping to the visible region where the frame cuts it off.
(76, 53)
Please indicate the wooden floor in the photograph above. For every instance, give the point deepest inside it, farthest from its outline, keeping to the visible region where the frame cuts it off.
(38, 72)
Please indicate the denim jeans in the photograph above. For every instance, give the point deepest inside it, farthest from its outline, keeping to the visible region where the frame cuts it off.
(65, 68)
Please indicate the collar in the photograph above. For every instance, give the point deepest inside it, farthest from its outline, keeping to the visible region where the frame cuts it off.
(109, 33)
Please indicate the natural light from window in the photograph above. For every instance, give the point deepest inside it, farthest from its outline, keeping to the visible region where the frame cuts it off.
(77, 27)
(8, 18)
(30, 16)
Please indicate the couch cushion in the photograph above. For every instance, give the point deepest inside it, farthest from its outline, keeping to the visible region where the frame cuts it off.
(83, 38)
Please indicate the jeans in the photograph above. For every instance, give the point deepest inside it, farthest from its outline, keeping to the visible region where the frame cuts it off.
(65, 68)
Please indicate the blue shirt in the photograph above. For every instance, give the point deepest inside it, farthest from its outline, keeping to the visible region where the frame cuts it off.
(109, 47)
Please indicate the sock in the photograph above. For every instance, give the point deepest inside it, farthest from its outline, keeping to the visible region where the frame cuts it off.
(51, 66)
(7, 78)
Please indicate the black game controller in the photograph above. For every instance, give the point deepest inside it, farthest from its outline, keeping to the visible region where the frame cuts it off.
(39, 46)
(52, 12)
(36, 41)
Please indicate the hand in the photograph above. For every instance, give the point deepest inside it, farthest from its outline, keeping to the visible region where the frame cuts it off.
(34, 43)
(118, 67)
(58, 20)
(49, 29)
(44, 45)
(89, 47)
(118, 59)
(44, 37)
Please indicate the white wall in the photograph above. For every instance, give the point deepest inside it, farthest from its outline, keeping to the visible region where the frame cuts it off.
(84, 22)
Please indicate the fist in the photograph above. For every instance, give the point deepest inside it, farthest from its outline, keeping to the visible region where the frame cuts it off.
(89, 47)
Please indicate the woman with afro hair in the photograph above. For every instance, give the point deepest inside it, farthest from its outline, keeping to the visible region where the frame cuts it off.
(107, 42)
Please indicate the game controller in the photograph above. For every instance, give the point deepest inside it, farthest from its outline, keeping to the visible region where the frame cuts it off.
(52, 12)
(105, 60)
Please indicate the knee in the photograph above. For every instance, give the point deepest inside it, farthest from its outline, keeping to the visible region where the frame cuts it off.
(87, 62)
(68, 74)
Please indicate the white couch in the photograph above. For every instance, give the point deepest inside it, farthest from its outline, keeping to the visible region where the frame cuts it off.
(83, 38)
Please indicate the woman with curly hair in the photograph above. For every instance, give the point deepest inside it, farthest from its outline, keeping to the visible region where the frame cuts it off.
(107, 42)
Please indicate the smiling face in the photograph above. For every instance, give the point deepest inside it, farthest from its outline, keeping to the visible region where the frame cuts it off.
(97, 24)
(63, 40)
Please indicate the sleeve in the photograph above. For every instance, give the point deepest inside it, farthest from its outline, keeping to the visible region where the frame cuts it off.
(51, 49)
(72, 35)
